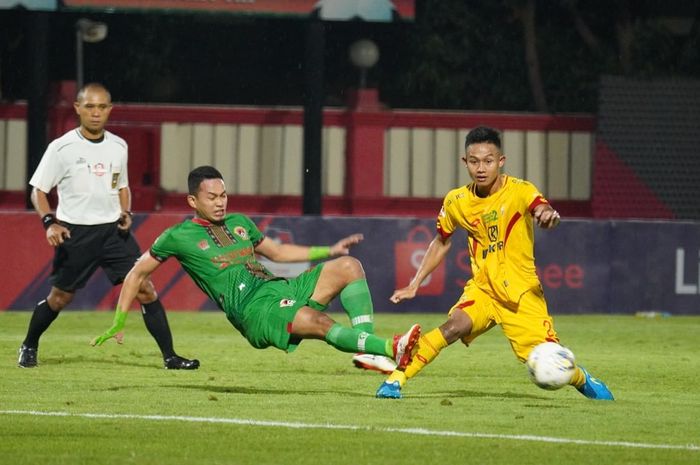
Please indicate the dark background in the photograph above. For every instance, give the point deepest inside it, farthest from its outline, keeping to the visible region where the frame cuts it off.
(456, 55)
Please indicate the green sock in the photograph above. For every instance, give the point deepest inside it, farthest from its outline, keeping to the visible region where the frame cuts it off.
(355, 340)
(357, 302)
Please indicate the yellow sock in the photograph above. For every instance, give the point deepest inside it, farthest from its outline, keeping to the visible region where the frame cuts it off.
(397, 375)
(429, 346)
(578, 379)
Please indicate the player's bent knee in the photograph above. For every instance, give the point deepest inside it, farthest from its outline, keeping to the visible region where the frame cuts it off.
(349, 267)
(147, 292)
(458, 326)
(58, 299)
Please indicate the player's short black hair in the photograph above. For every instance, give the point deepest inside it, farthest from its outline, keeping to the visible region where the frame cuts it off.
(199, 174)
(483, 134)
(92, 86)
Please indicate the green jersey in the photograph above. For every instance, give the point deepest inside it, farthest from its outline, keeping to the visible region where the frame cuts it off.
(220, 258)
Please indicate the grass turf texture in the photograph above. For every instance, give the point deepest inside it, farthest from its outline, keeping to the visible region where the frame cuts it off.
(472, 405)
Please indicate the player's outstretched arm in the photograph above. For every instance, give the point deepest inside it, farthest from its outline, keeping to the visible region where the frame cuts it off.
(342, 247)
(301, 253)
(132, 283)
(437, 251)
(545, 216)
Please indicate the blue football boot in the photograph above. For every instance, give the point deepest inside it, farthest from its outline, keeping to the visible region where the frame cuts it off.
(389, 390)
(593, 388)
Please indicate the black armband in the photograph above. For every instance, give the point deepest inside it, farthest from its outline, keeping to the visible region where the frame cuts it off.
(48, 219)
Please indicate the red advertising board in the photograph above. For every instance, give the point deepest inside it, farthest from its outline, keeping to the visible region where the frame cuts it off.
(584, 266)
(409, 254)
(368, 10)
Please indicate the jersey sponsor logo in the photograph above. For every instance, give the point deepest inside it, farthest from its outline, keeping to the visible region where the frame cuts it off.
(491, 249)
(203, 244)
(241, 232)
(287, 303)
(490, 217)
(234, 257)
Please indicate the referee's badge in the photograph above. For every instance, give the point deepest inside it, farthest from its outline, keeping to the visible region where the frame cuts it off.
(115, 178)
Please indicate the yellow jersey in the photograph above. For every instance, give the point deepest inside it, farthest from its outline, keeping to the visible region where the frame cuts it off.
(501, 238)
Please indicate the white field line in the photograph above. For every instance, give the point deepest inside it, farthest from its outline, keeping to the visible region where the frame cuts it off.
(298, 425)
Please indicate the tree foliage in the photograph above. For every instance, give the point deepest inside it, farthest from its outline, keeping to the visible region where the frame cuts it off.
(480, 54)
(501, 55)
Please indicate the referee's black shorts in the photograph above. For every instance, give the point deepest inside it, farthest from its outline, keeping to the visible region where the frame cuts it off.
(90, 247)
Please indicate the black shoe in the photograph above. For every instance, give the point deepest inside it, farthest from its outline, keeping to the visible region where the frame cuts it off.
(27, 357)
(178, 363)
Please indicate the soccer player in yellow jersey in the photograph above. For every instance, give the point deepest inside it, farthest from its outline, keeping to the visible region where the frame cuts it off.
(498, 212)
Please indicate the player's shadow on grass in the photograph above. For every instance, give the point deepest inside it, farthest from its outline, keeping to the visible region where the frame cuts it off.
(253, 390)
(82, 360)
(462, 393)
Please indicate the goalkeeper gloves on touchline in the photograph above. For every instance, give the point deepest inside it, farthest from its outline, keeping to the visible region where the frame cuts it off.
(115, 331)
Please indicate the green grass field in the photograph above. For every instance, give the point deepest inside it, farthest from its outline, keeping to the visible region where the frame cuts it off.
(117, 405)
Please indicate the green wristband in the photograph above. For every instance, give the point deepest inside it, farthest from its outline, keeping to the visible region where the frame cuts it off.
(117, 327)
(119, 320)
(319, 252)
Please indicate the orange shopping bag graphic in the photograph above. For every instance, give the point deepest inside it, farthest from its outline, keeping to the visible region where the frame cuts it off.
(408, 256)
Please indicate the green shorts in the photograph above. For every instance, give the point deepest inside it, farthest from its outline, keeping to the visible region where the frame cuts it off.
(266, 318)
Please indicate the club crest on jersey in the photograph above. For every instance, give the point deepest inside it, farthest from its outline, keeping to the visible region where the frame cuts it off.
(203, 244)
(287, 303)
(493, 233)
(241, 232)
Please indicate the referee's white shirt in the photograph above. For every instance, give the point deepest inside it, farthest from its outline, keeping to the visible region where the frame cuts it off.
(88, 175)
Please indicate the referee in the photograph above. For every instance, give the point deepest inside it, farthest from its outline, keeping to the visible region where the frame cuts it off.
(90, 229)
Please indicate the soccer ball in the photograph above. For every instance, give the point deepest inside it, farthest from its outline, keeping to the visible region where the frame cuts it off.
(551, 366)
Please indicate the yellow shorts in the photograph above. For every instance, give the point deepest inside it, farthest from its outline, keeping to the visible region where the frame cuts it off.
(525, 325)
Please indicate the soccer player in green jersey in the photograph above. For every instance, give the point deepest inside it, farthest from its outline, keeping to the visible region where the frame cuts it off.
(218, 250)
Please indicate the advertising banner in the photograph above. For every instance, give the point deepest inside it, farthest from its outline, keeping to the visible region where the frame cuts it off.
(332, 10)
(584, 266)
(408, 256)
(46, 5)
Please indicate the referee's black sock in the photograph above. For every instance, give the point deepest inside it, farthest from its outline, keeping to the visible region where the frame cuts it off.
(42, 318)
(157, 324)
